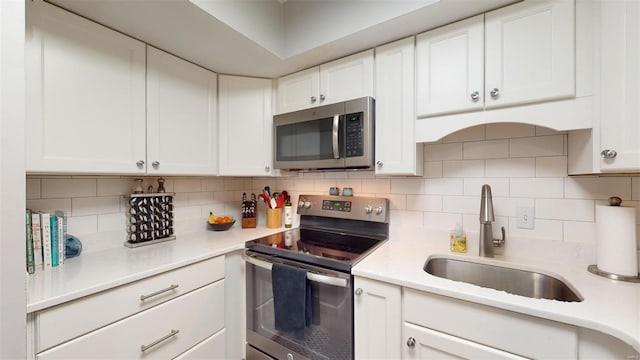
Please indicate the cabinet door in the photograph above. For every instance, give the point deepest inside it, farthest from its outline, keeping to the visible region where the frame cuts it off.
(347, 78)
(298, 91)
(530, 52)
(396, 150)
(423, 343)
(86, 89)
(377, 320)
(245, 126)
(181, 116)
(450, 68)
(620, 63)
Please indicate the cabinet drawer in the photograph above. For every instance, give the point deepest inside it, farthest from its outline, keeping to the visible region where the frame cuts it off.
(194, 316)
(72, 319)
(501, 329)
(212, 347)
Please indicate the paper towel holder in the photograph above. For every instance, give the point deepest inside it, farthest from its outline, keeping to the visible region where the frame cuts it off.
(594, 270)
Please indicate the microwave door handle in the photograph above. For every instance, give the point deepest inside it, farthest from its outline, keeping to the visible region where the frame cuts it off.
(323, 279)
(334, 133)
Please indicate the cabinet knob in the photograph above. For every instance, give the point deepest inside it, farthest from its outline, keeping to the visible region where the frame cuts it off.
(140, 164)
(322, 97)
(411, 342)
(379, 163)
(267, 168)
(359, 291)
(313, 99)
(608, 154)
(155, 164)
(495, 92)
(475, 96)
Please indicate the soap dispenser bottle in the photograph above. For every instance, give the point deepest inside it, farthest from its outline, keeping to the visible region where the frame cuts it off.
(458, 239)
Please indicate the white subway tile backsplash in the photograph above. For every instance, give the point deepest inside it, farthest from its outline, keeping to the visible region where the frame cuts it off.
(461, 204)
(354, 184)
(114, 186)
(551, 166)
(200, 198)
(50, 205)
(112, 222)
(443, 186)
(579, 232)
(597, 187)
(492, 149)
(187, 212)
(214, 184)
(323, 185)
(433, 169)
(187, 185)
(509, 130)
(463, 168)
(304, 185)
(407, 186)
(523, 167)
(376, 186)
(499, 186)
(402, 218)
(441, 220)
(542, 229)
(83, 225)
(67, 188)
(434, 152)
(95, 205)
(361, 175)
(537, 146)
(537, 187)
(469, 134)
(565, 209)
(424, 202)
(397, 201)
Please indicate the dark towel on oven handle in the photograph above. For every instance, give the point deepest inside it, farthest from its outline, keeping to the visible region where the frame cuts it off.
(291, 299)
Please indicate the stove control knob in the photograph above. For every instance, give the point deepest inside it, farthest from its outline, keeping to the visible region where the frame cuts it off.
(307, 204)
(300, 204)
(378, 210)
(368, 209)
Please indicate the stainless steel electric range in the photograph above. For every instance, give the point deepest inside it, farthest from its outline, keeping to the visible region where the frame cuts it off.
(334, 234)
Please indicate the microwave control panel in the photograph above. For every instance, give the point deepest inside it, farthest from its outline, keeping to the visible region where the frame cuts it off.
(354, 136)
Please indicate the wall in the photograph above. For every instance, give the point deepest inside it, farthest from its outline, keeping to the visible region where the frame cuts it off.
(525, 166)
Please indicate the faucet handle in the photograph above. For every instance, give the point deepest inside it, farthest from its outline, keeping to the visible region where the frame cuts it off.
(499, 242)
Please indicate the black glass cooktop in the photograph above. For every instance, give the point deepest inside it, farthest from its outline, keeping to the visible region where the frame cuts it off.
(332, 250)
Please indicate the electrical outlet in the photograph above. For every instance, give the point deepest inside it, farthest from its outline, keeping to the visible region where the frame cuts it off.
(524, 217)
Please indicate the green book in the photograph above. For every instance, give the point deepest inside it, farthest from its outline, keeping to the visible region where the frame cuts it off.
(54, 240)
(31, 266)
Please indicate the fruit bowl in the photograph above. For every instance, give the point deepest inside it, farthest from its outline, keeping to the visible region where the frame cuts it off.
(221, 226)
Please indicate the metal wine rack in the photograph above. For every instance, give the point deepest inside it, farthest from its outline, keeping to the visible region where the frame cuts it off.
(149, 219)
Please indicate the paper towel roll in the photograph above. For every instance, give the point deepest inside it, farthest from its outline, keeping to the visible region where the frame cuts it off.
(616, 240)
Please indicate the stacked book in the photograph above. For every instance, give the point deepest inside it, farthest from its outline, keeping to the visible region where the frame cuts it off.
(45, 239)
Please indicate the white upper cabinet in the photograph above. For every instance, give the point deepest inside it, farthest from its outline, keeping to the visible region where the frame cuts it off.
(245, 125)
(181, 116)
(620, 113)
(519, 54)
(450, 68)
(396, 150)
(530, 52)
(343, 79)
(86, 94)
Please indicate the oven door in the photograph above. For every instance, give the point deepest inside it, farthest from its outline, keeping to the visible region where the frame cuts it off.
(330, 335)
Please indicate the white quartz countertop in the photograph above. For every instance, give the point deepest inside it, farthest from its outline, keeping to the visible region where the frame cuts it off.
(609, 306)
(101, 270)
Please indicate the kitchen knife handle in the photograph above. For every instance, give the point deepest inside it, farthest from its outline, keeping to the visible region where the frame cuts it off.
(334, 132)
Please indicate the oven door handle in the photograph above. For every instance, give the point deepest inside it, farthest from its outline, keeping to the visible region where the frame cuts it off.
(323, 279)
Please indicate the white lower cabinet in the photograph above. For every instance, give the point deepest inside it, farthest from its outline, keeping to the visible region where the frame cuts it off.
(210, 348)
(377, 319)
(424, 343)
(162, 316)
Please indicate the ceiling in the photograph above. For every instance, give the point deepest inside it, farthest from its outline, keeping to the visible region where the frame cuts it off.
(271, 38)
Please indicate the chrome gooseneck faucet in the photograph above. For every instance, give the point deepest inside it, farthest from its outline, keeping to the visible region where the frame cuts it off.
(487, 242)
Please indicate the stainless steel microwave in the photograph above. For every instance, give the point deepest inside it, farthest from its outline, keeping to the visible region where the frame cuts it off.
(335, 136)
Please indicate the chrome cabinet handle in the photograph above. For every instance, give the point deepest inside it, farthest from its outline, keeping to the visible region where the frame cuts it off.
(608, 154)
(475, 96)
(322, 97)
(359, 291)
(411, 342)
(140, 164)
(495, 92)
(155, 164)
(173, 333)
(313, 99)
(267, 168)
(145, 297)
(379, 163)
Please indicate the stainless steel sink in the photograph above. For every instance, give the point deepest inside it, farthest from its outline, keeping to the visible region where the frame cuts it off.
(514, 281)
